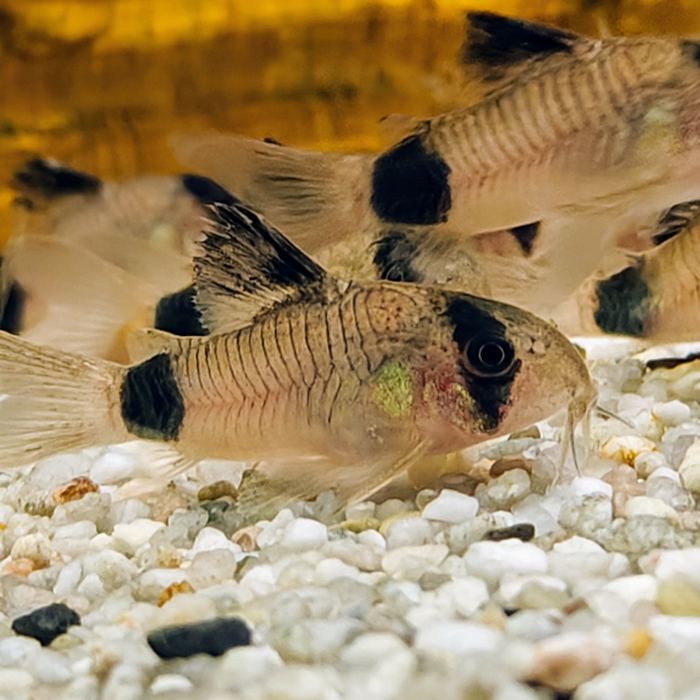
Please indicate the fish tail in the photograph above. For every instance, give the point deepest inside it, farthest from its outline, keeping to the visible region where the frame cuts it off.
(53, 402)
(315, 198)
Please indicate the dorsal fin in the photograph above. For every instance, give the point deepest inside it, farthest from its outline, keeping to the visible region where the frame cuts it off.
(495, 45)
(244, 267)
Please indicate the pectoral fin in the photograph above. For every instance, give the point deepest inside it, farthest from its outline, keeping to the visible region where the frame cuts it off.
(270, 487)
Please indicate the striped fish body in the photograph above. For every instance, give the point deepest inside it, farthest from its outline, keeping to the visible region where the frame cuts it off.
(306, 375)
(329, 385)
(619, 115)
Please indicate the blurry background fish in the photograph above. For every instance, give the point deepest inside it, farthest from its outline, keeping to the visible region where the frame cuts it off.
(102, 85)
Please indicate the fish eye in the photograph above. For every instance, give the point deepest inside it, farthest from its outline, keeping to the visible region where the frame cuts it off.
(490, 355)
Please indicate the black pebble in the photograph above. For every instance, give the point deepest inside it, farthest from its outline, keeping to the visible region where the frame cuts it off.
(214, 637)
(45, 624)
(521, 531)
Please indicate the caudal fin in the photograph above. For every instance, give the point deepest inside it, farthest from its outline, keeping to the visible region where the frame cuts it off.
(53, 402)
(316, 198)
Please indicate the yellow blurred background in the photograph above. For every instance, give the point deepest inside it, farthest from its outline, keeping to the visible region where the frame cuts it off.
(101, 84)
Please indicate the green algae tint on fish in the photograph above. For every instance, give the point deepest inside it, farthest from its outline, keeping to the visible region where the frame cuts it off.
(326, 384)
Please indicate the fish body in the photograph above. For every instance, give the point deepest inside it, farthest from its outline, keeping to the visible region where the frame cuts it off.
(144, 225)
(654, 296)
(587, 139)
(328, 384)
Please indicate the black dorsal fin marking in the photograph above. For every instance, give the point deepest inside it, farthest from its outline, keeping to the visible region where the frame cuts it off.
(51, 179)
(495, 43)
(244, 267)
(679, 217)
(178, 314)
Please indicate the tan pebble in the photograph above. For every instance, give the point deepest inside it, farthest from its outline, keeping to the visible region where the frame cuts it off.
(73, 490)
(359, 524)
(20, 567)
(35, 547)
(678, 596)
(637, 642)
(65, 642)
(247, 538)
(626, 485)
(532, 432)
(169, 558)
(506, 464)
(166, 504)
(172, 590)
(492, 615)
(626, 448)
(388, 522)
(565, 661)
(219, 489)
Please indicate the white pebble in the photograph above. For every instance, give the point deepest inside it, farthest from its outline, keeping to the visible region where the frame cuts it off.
(138, 532)
(508, 487)
(372, 538)
(68, 578)
(370, 648)
(153, 581)
(171, 683)
(14, 651)
(303, 533)
(260, 580)
(49, 666)
(83, 529)
(272, 532)
(464, 595)
(409, 531)
(91, 587)
(669, 564)
(330, 569)
(533, 592)
(689, 468)
(15, 682)
(451, 507)
(6, 512)
(643, 505)
(491, 560)
(183, 609)
(209, 539)
(410, 563)
(646, 463)
(671, 412)
(666, 473)
(457, 637)
(578, 545)
(588, 486)
(243, 666)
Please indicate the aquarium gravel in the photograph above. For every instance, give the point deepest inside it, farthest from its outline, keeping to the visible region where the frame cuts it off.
(508, 582)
